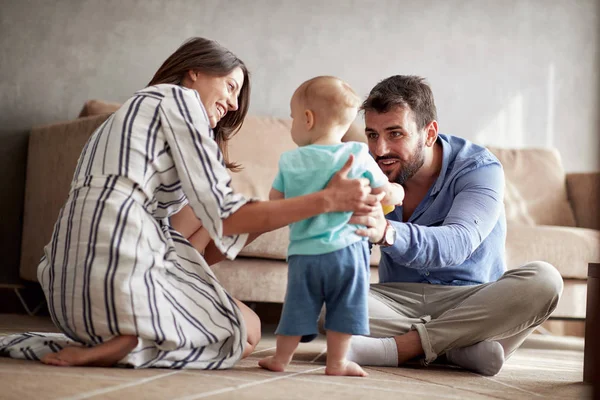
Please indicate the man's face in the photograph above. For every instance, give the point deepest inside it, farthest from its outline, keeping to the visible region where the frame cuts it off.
(396, 143)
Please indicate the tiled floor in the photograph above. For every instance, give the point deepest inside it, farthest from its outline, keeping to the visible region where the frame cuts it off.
(533, 372)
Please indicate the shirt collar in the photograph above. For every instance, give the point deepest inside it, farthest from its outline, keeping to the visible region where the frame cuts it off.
(446, 152)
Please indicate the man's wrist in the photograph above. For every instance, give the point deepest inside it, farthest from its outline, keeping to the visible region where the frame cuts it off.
(382, 238)
(389, 235)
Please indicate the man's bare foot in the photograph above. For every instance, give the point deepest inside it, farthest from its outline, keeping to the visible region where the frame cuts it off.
(272, 364)
(103, 355)
(346, 368)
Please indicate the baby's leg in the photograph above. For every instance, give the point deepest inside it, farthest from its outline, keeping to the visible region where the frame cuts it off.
(337, 364)
(286, 345)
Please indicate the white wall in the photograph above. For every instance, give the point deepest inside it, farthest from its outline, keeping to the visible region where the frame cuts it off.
(504, 72)
(513, 73)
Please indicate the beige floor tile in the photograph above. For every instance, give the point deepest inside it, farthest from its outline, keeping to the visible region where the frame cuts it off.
(17, 386)
(33, 369)
(538, 371)
(455, 380)
(302, 386)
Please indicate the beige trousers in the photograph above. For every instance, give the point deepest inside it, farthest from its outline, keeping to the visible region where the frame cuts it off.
(446, 317)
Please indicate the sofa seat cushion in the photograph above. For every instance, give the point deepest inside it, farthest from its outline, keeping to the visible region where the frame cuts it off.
(568, 249)
(572, 303)
(255, 279)
(273, 245)
(536, 190)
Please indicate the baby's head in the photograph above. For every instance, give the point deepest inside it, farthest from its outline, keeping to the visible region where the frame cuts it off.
(322, 106)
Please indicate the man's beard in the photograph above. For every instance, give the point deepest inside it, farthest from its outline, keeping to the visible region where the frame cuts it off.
(409, 168)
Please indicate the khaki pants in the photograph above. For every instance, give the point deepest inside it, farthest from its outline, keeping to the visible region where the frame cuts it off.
(446, 317)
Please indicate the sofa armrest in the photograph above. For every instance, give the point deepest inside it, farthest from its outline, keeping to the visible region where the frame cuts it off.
(583, 190)
(51, 160)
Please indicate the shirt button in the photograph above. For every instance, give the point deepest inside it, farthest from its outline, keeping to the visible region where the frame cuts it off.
(426, 273)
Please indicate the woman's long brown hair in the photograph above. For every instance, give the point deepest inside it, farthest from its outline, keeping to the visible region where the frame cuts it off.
(209, 57)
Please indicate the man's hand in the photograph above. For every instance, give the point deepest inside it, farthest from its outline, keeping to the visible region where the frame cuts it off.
(375, 224)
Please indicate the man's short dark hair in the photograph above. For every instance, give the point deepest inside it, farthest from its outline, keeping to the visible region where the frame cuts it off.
(405, 91)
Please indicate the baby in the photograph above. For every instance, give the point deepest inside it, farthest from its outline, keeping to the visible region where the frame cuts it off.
(328, 261)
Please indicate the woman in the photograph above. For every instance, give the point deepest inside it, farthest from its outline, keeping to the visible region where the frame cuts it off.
(121, 274)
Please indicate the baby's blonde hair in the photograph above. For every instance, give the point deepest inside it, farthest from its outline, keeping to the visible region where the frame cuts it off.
(331, 100)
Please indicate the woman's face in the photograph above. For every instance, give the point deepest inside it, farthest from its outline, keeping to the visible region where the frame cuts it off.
(219, 94)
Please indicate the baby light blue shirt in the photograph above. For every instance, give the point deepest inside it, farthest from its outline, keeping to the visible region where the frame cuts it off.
(308, 169)
(457, 234)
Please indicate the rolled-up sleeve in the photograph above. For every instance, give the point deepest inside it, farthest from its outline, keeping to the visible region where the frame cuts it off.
(476, 208)
(198, 161)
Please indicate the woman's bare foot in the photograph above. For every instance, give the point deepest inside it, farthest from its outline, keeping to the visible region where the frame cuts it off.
(103, 355)
(346, 368)
(272, 364)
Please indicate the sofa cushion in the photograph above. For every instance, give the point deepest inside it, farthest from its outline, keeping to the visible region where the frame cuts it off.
(257, 147)
(536, 192)
(98, 107)
(568, 249)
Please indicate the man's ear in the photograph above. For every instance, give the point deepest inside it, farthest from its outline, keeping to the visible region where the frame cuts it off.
(309, 119)
(431, 131)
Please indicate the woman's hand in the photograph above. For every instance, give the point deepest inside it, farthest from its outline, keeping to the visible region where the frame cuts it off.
(374, 222)
(354, 195)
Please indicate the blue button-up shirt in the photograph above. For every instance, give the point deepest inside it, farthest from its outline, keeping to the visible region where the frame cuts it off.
(456, 235)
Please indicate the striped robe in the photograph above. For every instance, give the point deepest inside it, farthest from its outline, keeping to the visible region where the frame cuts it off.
(114, 266)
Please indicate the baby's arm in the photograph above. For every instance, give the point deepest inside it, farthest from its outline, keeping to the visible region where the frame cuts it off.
(275, 194)
(394, 194)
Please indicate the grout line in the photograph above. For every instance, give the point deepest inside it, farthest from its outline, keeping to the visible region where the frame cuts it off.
(426, 394)
(119, 387)
(424, 381)
(320, 354)
(511, 386)
(544, 368)
(76, 375)
(409, 380)
(199, 373)
(263, 350)
(245, 385)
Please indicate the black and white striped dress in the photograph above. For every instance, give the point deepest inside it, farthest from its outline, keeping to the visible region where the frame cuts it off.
(114, 266)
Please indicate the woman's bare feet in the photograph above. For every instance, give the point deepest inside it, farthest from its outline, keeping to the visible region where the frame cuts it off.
(272, 364)
(103, 355)
(345, 368)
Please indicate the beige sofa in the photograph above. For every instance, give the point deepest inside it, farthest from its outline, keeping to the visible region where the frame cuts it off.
(552, 216)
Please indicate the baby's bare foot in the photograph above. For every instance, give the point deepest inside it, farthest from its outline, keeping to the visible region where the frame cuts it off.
(346, 368)
(272, 364)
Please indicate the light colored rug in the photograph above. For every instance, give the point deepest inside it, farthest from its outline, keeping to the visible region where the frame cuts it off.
(545, 368)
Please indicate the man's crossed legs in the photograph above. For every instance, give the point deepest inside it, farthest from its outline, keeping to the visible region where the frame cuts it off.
(476, 327)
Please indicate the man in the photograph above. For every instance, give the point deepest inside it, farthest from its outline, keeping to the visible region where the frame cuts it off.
(443, 287)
